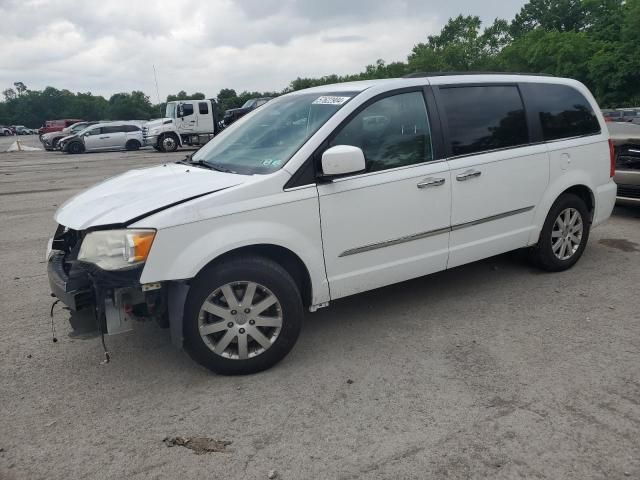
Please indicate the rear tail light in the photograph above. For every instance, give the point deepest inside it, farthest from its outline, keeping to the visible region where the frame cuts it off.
(612, 159)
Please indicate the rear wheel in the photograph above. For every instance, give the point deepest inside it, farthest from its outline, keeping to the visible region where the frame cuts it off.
(242, 316)
(168, 143)
(132, 145)
(564, 235)
(75, 147)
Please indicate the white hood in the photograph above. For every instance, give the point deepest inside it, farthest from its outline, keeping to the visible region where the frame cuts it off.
(158, 122)
(138, 192)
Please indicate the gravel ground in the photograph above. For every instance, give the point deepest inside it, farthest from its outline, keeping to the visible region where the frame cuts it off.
(492, 370)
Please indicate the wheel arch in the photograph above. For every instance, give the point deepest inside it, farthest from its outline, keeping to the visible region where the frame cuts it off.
(284, 257)
(579, 187)
(173, 133)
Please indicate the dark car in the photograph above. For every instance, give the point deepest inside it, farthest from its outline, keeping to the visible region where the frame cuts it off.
(626, 141)
(234, 114)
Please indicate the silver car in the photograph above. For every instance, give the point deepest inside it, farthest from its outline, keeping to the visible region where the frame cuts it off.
(104, 136)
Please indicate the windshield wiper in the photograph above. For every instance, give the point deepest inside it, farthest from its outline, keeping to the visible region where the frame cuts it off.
(188, 160)
(219, 168)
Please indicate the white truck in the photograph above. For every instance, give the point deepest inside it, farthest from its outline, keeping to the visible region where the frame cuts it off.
(186, 123)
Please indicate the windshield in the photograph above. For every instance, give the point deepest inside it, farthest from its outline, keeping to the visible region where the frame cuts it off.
(248, 103)
(77, 127)
(264, 141)
(171, 110)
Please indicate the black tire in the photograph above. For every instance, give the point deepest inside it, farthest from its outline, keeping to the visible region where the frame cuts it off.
(132, 145)
(168, 143)
(75, 148)
(542, 254)
(264, 272)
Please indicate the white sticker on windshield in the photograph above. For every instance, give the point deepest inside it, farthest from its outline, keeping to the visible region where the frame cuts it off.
(330, 100)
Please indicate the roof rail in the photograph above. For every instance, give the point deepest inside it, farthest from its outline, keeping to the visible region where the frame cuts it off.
(446, 74)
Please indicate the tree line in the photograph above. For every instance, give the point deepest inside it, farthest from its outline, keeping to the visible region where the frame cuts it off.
(594, 41)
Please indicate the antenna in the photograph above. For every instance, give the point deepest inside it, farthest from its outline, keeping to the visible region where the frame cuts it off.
(157, 89)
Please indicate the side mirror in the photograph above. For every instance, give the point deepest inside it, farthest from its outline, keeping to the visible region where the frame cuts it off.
(180, 111)
(342, 160)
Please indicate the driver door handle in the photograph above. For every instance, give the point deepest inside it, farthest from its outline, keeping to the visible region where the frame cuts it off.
(431, 182)
(468, 175)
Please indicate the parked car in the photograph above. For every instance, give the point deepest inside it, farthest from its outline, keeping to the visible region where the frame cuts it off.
(626, 140)
(622, 115)
(5, 131)
(332, 191)
(104, 136)
(234, 114)
(57, 125)
(50, 140)
(22, 130)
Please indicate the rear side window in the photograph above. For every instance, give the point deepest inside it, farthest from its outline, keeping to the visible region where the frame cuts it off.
(203, 108)
(563, 111)
(131, 128)
(482, 118)
(113, 129)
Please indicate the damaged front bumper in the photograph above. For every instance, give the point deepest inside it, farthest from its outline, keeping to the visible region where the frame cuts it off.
(103, 301)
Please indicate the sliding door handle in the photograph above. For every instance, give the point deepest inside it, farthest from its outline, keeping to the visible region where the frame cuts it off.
(469, 174)
(431, 182)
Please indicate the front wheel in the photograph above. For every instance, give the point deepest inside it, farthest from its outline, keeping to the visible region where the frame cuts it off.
(132, 145)
(75, 147)
(242, 316)
(168, 143)
(564, 235)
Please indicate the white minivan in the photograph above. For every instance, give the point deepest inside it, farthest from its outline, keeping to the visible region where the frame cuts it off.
(329, 192)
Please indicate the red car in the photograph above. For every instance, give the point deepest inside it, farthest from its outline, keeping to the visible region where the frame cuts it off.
(57, 125)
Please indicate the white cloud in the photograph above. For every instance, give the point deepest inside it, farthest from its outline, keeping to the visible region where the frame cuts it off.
(110, 46)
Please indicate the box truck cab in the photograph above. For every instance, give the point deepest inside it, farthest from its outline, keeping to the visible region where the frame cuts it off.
(186, 123)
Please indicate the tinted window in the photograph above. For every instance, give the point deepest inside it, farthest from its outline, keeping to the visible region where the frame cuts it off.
(203, 108)
(484, 118)
(113, 129)
(392, 132)
(187, 109)
(94, 131)
(130, 128)
(563, 111)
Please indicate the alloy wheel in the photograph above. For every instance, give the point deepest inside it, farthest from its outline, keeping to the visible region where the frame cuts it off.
(240, 320)
(566, 235)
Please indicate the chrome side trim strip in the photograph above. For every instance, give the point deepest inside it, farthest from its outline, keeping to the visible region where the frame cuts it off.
(491, 218)
(431, 233)
(396, 241)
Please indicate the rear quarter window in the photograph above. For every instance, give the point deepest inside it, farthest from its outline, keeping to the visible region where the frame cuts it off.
(563, 111)
(481, 118)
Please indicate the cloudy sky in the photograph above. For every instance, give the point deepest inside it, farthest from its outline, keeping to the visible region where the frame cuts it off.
(107, 46)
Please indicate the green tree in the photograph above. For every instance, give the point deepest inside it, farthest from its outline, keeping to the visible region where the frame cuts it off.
(550, 15)
(20, 87)
(130, 106)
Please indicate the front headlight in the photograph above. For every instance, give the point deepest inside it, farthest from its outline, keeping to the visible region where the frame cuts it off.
(116, 249)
